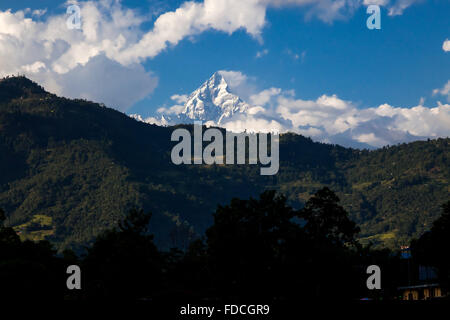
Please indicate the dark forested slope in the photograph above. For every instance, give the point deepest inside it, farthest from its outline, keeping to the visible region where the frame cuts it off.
(71, 168)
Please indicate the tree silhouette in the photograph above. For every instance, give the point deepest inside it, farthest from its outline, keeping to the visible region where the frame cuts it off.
(432, 247)
(124, 263)
(248, 243)
(326, 220)
(263, 247)
(329, 236)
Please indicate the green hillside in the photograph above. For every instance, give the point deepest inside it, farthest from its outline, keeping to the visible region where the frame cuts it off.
(82, 166)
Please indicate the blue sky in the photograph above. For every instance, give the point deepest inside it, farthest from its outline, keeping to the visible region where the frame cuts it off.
(399, 64)
(307, 48)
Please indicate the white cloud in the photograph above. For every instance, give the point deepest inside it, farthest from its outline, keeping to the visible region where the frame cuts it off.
(421, 101)
(34, 67)
(262, 53)
(264, 97)
(295, 55)
(179, 98)
(399, 6)
(370, 139)
(394, 7)
(239, 83)
(255, 110)
(41, 46)
(173, 110)
(339, 121)
(446, 45)
(100, 80)
(193, 18)
(253, 124)
(77, 63)
(331, 119)
(234, 78)
(292, 54)
(444, 91)
(39, 12)
(62, 58)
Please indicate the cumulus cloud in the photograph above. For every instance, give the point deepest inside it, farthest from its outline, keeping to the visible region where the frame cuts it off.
(112, 36)
(446, 45)
(115, 85)
(193, 18)
(77, 63)
(331, 119)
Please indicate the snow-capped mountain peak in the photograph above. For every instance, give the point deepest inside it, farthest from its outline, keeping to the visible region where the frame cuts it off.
(213, 101)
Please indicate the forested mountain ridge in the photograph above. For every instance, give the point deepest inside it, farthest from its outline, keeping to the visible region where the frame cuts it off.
(71, 168)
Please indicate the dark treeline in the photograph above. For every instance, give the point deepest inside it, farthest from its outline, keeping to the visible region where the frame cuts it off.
(257, 248)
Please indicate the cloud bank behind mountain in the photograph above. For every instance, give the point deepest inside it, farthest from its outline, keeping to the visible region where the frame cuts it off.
(328, 118)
